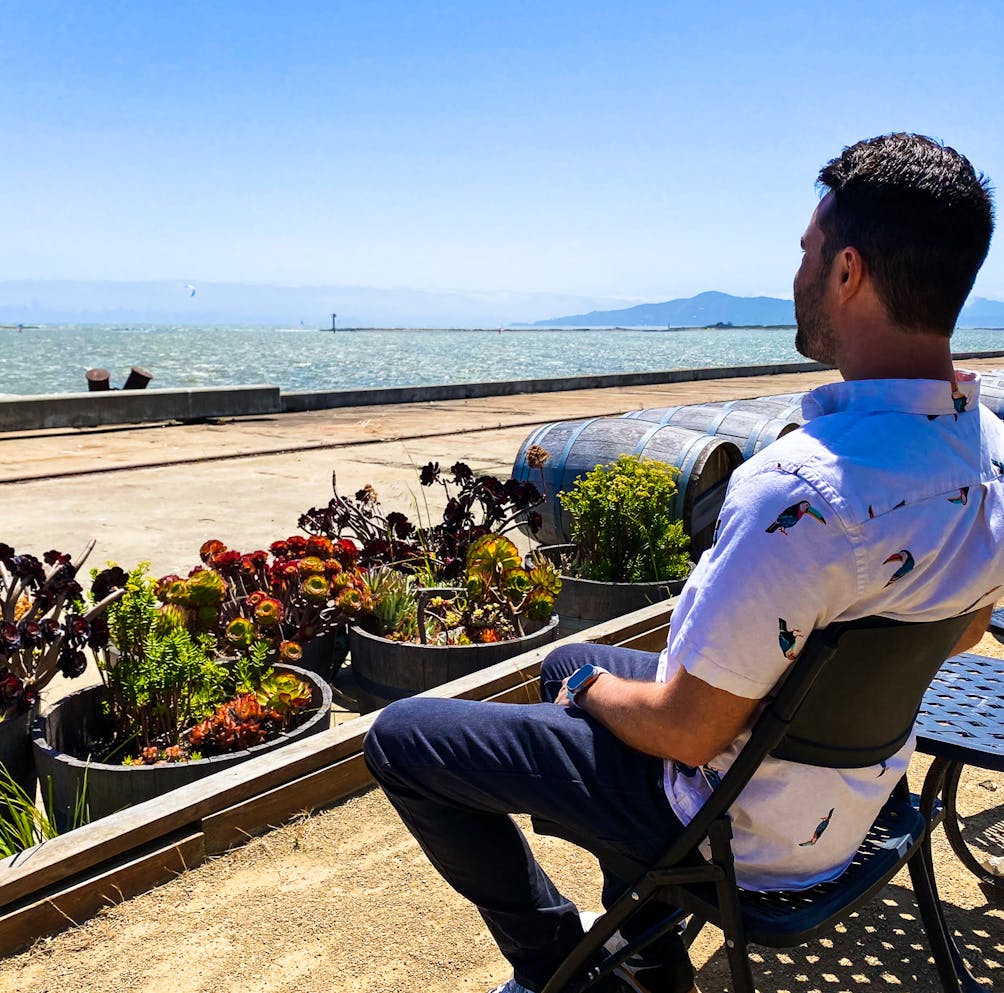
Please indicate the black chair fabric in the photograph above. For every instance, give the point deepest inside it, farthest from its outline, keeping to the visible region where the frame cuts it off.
(862, 708)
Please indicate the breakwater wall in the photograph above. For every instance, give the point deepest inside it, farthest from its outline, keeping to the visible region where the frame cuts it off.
(82, 410)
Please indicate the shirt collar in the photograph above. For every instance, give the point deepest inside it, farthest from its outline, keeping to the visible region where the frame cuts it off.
(907, 396)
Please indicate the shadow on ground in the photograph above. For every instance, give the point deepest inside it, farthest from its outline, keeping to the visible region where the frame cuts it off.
(881, 947)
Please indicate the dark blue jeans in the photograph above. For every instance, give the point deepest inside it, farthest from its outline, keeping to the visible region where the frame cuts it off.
(455, 769)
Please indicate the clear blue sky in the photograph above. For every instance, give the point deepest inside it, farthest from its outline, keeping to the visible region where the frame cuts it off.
(640, 150)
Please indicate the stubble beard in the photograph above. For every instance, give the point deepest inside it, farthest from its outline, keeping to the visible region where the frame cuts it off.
(814, 337)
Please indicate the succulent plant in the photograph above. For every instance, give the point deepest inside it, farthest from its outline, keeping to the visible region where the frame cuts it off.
(391, 604)
(44, 626)
(499, 594)
(291, 593)
(475, 506)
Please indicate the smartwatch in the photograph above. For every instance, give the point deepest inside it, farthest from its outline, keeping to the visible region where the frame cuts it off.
(581, 679)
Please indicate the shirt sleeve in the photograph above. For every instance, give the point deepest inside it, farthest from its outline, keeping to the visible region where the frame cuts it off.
(781, 566)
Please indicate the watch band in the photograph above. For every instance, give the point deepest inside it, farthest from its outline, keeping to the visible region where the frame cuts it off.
(595, 671)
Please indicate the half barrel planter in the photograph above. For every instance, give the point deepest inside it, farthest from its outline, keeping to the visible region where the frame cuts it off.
(71, 724)
(325, 654)
(16, 754)
(386, 670)
(706, 464)
(585, 602)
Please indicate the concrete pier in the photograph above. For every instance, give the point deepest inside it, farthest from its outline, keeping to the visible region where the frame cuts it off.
(135, 406)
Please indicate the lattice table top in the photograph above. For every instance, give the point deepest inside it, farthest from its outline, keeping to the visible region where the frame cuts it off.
(962, 714)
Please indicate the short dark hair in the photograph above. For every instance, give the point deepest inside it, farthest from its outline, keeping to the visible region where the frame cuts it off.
(920, 216)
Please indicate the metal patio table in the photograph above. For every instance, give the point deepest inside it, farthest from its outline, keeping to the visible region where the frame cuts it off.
(961, 722)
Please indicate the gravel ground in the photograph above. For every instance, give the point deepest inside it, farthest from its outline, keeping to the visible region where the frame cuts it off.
(346, 901)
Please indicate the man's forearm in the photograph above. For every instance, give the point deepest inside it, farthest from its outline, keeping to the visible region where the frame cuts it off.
(684, 719)
(637, 713)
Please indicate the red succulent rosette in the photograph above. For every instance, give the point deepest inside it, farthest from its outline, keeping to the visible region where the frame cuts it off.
(291, 652)
(268, 613)
(297, 545)
(320, 546)
(210, 549)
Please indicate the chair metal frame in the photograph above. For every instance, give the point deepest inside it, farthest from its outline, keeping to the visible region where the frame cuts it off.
(814, 717)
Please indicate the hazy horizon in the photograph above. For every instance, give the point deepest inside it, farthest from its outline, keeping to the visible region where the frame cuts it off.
(229, 304)
(611, 155)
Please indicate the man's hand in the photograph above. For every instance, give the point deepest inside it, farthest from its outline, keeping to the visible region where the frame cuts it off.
(563, 699)
(685, 719)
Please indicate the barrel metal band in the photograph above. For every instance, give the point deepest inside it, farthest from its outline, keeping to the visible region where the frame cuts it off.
(753, 445)
(686, 465)
(717, 422)
(644, 439)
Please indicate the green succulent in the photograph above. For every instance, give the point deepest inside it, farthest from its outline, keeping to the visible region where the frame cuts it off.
(621, 520)
(394, 610)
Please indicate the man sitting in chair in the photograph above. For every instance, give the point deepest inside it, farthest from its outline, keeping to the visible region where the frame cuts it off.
(889, 501)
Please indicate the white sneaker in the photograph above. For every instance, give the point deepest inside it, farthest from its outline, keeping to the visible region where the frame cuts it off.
(511, 987)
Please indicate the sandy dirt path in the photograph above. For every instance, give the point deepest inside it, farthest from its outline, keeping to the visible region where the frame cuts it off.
(346, 901)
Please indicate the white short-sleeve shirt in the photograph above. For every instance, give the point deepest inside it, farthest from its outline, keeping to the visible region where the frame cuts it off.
(888, 501)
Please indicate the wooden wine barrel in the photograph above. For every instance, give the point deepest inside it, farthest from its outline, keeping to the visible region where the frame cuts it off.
(576, 447)
(992, 391)
(750, 430)
(785, 406)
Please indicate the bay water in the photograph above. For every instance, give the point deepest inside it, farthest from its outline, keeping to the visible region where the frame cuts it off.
(53, 359)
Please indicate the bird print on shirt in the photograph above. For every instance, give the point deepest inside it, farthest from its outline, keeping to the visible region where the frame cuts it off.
(959, 403)
(712, 776)
(818, 833)
(787, 638)
(871, 509)
(906, 561)
(790, 516)
(963, 498)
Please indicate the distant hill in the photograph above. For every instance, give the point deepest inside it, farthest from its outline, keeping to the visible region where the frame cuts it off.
(979, 312)
(712, 307)
(700, 311)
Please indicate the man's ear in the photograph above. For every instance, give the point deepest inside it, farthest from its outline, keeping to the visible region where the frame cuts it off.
(851, 273)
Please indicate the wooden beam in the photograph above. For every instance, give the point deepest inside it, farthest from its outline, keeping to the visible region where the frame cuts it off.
(74, 902)
(317, 771)
(107, 838)
(235, 825)
(648, 641)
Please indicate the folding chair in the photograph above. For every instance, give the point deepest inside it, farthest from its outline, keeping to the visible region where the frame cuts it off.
(849, 701)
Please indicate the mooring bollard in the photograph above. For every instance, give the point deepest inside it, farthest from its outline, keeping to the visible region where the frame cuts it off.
(97, 380)
(138, 378)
